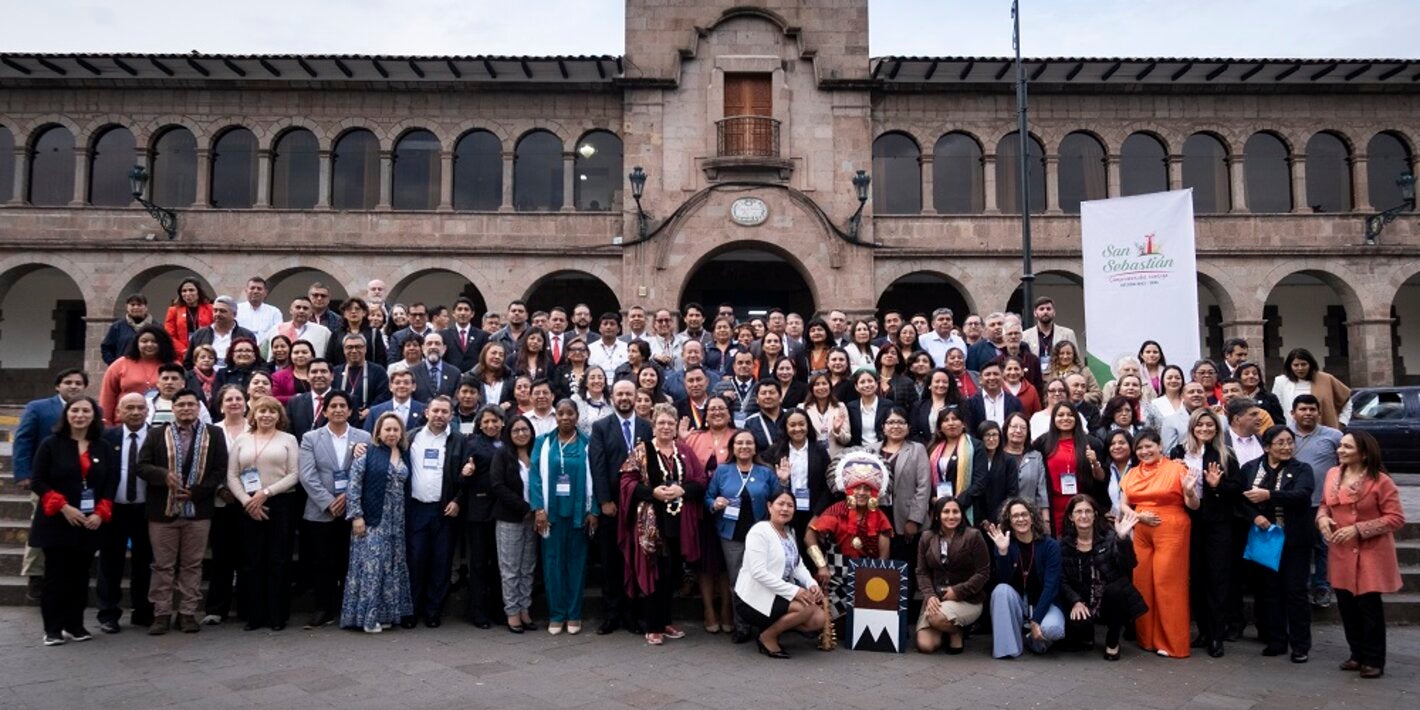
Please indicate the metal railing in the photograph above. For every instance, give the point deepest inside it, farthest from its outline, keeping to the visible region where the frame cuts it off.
(747, 136)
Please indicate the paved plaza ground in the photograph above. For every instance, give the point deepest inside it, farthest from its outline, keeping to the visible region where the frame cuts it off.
(460, 666)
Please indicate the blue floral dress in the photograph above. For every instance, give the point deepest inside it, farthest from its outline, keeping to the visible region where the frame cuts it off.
(377, 586)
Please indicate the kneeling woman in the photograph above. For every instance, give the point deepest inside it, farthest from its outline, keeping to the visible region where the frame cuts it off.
(953, 568)
(775, 592)
(1097, 583)
(1026, 572)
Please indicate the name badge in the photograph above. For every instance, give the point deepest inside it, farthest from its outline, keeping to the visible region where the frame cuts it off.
(564, 486)
(86, 500)
(945, 489)
(801, 499)
(251, 480)
(341, 480)
(1068, 485)
(431, 460)
(466, 428)
(739, 418)
(732, 511)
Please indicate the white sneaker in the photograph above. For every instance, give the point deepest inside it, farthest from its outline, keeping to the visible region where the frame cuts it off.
(54, 640)
(211, 620)
(374, 629)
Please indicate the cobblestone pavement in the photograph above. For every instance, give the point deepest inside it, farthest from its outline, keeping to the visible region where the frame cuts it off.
(460, 666)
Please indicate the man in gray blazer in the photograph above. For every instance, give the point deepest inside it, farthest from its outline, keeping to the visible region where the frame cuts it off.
(324, 469)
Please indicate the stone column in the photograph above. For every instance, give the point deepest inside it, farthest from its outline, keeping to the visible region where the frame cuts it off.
(386, 180)
(95, 328)
(1249, 330)
(928, 196)
(988, 189)
(81, 177)
(446, 181)
(323, 184)
(1371, 356)
(1360, 185)
(507, 205)
(1052, 185)
(1175, 172)
(204, 178)
(1238, 181)
(263, 178)
(569, 181)
(22, 174)
(1113, 185)
(1298, 165)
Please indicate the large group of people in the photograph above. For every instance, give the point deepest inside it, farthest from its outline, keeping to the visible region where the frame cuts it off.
(381, 454)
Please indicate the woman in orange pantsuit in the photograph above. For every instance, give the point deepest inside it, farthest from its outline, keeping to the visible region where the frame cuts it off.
(1158, 490)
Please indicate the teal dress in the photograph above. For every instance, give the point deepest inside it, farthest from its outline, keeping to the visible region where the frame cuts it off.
(560, 483)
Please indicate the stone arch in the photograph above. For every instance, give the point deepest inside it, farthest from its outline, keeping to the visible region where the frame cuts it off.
(295, 280)
(1309, 306)
(25, 133)
(506, 136)
(42, 325)
(1066, 285)
(347, 125)
(746, 251)
(147, 132)
(159, 284)
(275, 130)
(409, 125)
(435, 285)
(1405, 326)
(925, 290)
(567, 287)
(950, 271)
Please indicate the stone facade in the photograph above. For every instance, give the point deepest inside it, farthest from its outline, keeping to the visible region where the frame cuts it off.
(664, 99)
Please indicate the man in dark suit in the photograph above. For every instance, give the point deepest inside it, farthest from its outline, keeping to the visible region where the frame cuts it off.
(463, 340)
(612, 440)
(305, 411)
(401, 402)
(697, 396)
(220, 334)
(418, 325)
(437, 455)
(1234, 355)
(765, 423)
(992, 402)
(127, 531)
(366, 382)
(433, 376)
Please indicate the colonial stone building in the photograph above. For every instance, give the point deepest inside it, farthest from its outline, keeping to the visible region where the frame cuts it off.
(505, 177)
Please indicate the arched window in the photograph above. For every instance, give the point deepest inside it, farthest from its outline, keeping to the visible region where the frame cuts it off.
(1008, 171)
(478, 172)
(1328, 173)
(295, 170)
(958, 182)
(1082, 171)
(112, 156)
(1268, 174)
(1205, 169)
(52, 167)
(537, 173)
(234, 170)
(355, 171)
(417, 172)
(175, 168)
(1143, 165)
(598, 172)
(1387, 157)
(7, 164)
(897, 175)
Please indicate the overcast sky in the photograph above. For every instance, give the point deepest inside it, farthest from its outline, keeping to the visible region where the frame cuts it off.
(1155, 28)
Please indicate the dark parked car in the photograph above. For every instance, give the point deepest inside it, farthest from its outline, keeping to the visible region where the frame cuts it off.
(1392, 415)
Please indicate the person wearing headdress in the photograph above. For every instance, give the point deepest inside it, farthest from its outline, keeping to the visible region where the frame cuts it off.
(855, 525)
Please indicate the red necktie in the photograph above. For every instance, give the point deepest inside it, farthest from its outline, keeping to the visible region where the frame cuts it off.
(557, 348)
(315, 407)
(463, 339)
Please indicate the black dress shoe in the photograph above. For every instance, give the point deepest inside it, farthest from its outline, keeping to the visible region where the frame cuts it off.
(634, 627)
(1200, 642)
(739, 636)
(481, 623)
(607, 627)
(1215, 649)
(1111, 656)
(251, 626)
(780, 654)
(515, 629)
(433, 622)
(408, 622)
(110, 627)
(1273, 651)
(279, 627)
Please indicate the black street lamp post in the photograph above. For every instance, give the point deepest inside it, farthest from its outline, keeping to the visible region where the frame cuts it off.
(1376, 222)
(167, 219)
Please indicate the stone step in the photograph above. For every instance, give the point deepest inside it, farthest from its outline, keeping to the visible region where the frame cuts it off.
(14, 531)
(15, 506)
(1407, 552)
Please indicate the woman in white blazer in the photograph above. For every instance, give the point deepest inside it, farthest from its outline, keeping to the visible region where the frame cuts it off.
(775, 591)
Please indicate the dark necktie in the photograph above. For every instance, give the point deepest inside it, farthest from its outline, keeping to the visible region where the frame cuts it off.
(626, 433)
(132, 492)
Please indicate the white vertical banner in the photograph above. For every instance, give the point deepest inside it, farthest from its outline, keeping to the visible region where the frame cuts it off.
(1141, 278)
